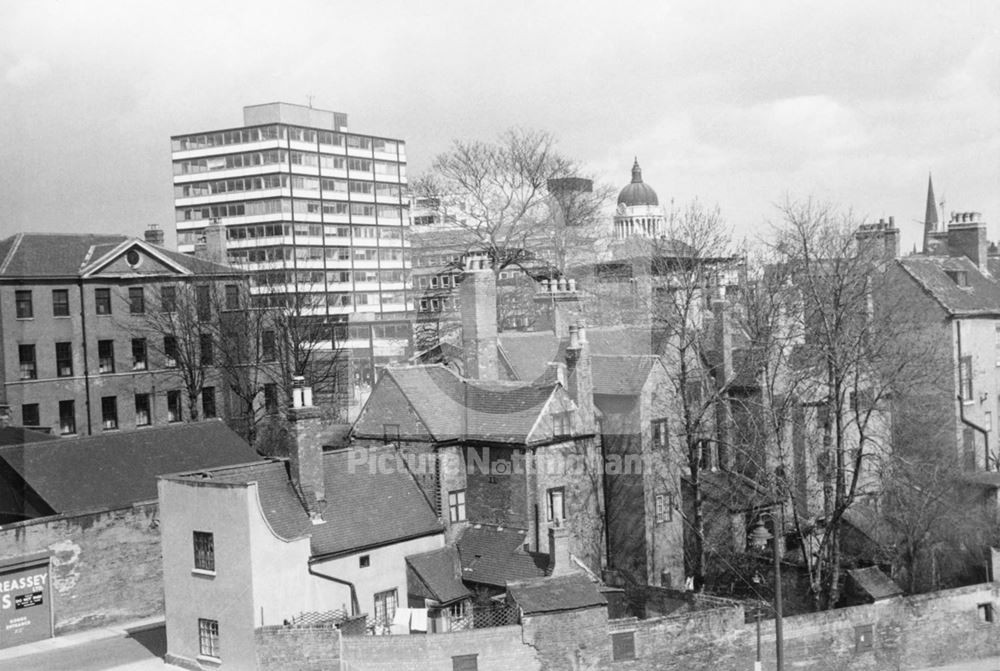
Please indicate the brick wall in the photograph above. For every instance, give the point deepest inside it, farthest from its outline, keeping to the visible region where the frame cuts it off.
(106, 566)
(297, 648)
(905, 633)
(498, 649)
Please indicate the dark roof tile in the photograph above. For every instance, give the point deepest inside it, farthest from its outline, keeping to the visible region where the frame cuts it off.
(496, 556)
(364, 507)
(117, 469)
(574, 591)
(981, 296)
(440, 571)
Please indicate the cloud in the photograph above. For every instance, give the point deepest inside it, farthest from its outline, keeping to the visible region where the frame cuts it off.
(27, 71)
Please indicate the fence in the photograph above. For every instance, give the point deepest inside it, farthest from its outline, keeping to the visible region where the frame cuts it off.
(482, 617)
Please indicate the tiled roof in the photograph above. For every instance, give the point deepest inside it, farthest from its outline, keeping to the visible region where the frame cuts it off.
(19, 435)
(51, 254)
(440, 571)
(364, 507)
(496, 556)
(877, 584)
(434, 402)
(67, 255)
(621, 375)
(980, 297)
(529, 352)
(117, 469)
(574, 591)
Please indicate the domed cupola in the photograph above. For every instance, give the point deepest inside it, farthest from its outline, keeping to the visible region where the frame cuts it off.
(639, 213)
(637, 193)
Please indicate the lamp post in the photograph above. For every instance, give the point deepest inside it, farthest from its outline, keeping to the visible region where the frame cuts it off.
(759, 537)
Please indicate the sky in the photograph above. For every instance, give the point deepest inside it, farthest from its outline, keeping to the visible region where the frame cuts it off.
(742, 105)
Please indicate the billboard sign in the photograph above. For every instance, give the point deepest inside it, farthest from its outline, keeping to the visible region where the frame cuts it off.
(25, 600)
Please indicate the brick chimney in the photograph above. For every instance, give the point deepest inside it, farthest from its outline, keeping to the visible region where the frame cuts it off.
(560, 562)
(580, 376)
(967, 237)
(478, 293)
(560, 303)
(305, 451)
(882, 238)
(154, 235)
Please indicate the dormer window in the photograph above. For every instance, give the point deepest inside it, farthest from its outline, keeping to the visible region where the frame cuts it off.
(959, 277)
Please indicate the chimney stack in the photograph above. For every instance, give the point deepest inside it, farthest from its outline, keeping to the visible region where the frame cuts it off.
(305, 452)
(580, 376)
(560, 302)
(154, 235)
(882, 237)
(560, 561)
(478, 294)
(967, 237)
(214, 248)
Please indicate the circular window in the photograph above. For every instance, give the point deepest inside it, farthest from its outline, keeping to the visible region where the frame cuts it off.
(132, 258)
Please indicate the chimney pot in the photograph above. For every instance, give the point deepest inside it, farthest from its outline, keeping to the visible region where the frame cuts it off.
(572, 285)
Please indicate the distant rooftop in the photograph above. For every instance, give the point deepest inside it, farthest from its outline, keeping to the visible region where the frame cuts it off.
(297, 115)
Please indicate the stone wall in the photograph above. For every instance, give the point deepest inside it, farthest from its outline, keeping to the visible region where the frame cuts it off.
(899, 634)
(106, 566)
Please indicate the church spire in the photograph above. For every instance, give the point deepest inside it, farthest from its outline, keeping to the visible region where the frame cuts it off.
(636, 172)
(930, 217)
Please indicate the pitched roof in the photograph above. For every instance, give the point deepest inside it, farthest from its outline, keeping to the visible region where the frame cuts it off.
(434, 402)
(117, 469)
(527, 353)
(980, 297)
(574, 591)
(19, 435)
(877, 584)
(496, 556)
(735, 491)
(621, 375)
(51, 254)
(68, 255)
(440, 571)
(364, 507)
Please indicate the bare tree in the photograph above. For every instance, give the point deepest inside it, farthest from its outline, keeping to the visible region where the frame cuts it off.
(516, 199)
(855, 354)
(179, 327)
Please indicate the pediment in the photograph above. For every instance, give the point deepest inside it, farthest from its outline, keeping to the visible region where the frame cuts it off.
(130, 259)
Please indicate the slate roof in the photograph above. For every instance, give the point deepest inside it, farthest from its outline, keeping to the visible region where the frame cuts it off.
(443, 406)
(527, 353)
(877, 584)
(574, 591)
(51, 254)
(980, 297)
(19, 435)
(621, 375)
(364, 508)
(27, 255)
(117, 469)
(496, 556)
(440, 571)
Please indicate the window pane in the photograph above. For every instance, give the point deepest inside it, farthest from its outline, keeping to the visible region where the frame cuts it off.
(24, 307)
(60, 303)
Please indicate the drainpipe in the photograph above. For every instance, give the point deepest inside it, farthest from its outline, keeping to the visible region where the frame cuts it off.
(961, 405)
(355, 607)
(86, 360)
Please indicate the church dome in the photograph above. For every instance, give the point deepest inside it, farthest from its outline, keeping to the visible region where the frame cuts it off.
(637, 193)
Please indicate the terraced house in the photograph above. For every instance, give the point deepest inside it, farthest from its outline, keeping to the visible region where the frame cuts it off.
(74, 359)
